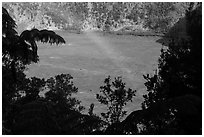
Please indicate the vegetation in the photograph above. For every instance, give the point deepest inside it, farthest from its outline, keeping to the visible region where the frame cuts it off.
(20, 92)
(115, 97)
(173, 104)
(177, 82)
(105, 16)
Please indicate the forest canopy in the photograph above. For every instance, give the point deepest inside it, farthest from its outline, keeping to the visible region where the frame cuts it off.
(106, 16)
(172, 105)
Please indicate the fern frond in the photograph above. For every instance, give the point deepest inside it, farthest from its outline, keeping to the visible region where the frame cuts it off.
(50, 37)
(47, 36)
(28, 40)
(8, 24)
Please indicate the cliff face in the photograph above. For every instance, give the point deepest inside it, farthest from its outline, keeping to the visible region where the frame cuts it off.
(95, 15)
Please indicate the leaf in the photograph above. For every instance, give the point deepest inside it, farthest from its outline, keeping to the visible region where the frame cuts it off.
(8, 24)
(50, 36)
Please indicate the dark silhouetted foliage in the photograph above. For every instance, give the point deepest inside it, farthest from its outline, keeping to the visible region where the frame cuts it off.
(35, 118)
(34, 106)
(173, 104)
(180, 64)
(175, 89)
(115, 96)
(59, 91)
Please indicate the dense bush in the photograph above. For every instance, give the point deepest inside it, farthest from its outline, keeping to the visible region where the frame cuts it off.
(115, 96)
(156, 16)
(178, 80)
(173, 104)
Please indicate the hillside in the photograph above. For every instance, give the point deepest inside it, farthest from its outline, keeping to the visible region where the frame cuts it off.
(105, 16)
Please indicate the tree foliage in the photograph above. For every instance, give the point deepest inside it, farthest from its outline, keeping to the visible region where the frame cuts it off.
(23, 48)
(178, 78)
(19, 51)
(179, 64)
(157, 16)
(39, 106)
(59, 91)
(173, 104)
(35, 105)
(115, 96)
